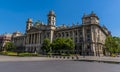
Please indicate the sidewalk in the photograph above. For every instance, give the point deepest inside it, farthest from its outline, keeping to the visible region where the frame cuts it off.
(95, 58)
(13, 58)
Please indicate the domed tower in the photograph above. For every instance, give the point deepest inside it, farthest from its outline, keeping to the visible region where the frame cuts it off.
(29, 24)
(51, 18)
(90, 19)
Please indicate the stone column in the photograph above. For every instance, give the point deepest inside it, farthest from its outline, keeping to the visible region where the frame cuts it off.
(95, 40)
(83, 48)
(69, 34)
(77, 36)
(40, 38)
(37, 38)
(31, 39)
(24, 41)
(27, 39)
(41, 35)
(65, 34)
(34, 38)
(92, 40)
(61, 34)
(73, 36)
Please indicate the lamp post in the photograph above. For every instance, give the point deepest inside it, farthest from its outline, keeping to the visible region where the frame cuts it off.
(83, 54)
(50, 51)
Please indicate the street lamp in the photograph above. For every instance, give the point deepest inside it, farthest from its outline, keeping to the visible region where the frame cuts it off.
(83, 54)
(50, 51)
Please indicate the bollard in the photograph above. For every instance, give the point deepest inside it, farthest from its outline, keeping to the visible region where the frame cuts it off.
(53, 56)
(72, 57)
(68, 57)
(64, 57)
(60, 57)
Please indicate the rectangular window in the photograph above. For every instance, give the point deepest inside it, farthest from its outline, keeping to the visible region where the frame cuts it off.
(80, 47)
(88, 39)
(81, 40)
(88, 31)
(63, 34)
(76, 39)
(88, 46)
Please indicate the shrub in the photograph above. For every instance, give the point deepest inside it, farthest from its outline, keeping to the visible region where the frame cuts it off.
(63, 54)
(9, 53)
(113, 55)
(27, 54)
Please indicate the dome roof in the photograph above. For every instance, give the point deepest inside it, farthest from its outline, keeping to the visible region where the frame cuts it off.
(17, 32)
(38, 23)
(29, 20)
(92, 13)
(51, 13)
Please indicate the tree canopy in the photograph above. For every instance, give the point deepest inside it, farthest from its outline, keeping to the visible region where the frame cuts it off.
(112, 44)
(63, 44)
(46, 45)
(58, 44)
(9, 46)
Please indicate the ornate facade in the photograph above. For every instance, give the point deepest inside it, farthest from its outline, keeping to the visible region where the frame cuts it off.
(3, 39)
(88, 37)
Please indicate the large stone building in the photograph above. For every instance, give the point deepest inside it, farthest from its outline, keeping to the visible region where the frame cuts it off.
(88, 37)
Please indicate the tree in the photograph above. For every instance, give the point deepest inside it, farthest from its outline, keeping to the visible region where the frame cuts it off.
(9, 46)
(63, 44)
(69, 44)
(57, 44)
(112, 44)
(46, 45)
(117, 44)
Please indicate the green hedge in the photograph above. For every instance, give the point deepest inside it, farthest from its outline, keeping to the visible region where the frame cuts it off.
(16, 54)
(60, 54)
(27, 54)
(9, 53)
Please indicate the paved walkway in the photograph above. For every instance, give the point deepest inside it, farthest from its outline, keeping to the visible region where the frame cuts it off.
(13, 58)
(113, 59)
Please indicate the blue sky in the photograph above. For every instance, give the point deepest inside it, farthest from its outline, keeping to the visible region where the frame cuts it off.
(14, 13)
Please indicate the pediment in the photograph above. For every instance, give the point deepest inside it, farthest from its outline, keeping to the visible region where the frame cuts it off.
(33, 29)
